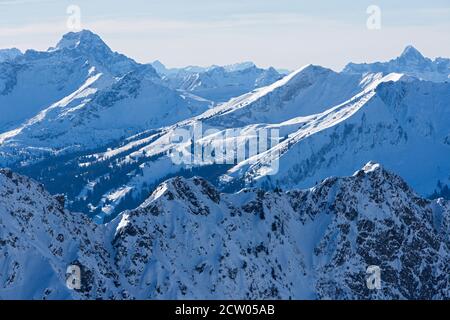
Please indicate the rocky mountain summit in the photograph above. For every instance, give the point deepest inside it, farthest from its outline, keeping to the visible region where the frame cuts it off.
(187, 240)
(411, 62)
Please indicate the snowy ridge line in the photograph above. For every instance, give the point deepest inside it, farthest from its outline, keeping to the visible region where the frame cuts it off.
(189, 241)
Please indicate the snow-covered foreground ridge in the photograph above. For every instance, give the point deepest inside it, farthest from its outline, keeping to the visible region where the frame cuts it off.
(329, 123)
(187, 240)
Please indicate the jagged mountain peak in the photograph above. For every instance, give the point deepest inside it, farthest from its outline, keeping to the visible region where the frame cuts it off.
(341, 226)
(411, 62)
(240, 66)
(310, 69)
(371, 179)
(83, 39)
(287, 92)
(410, 52)
(158, 63)
(159, 67)
(252, 244)
(90, 46)
(412, 57)
(186, 189)
(9, 54)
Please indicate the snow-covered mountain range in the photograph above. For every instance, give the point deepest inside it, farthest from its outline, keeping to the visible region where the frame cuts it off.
(91, 145)
(217, 83)
(187, 240)
(82, 95)
(329, 123)
(99, 131)
(165, 71)
(410, 62)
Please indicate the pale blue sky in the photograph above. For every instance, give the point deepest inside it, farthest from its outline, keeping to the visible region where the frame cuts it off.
(282, 33)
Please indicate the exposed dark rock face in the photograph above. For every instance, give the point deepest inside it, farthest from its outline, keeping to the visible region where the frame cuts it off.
(189, 241)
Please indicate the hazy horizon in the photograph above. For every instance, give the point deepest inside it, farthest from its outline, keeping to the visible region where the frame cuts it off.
(287, 35)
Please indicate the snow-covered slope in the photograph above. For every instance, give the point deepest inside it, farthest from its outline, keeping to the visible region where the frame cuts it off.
(85, 96)
(39, 239)
(404, 124)
(187, 240)
(36, 80)
(98, 113)
(330, 124)
(144, 159)
(410, 62)
(309, 90)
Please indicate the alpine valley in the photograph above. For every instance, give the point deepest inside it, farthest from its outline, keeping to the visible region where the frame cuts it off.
(87, 139)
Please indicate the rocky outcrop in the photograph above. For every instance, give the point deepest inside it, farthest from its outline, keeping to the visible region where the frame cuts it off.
(189, 241)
